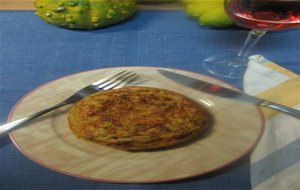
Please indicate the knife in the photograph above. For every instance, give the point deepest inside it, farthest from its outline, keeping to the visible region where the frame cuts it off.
(226, 92)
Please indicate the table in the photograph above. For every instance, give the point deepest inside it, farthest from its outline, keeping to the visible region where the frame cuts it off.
(33, 53)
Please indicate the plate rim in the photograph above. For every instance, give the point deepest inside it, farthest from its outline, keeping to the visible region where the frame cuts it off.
(202, 173)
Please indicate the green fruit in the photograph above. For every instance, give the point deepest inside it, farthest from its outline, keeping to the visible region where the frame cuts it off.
(208, 12)
(84, 14)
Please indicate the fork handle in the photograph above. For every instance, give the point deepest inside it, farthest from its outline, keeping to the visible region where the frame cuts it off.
(11, 126)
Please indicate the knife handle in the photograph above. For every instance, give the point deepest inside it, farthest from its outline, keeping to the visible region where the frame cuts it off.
(282, 108)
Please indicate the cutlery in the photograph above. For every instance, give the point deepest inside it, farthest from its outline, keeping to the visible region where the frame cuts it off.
(226, 92)
(117, 80)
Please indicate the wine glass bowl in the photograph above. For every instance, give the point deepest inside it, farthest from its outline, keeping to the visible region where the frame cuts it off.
(259, 16)
(264, 14)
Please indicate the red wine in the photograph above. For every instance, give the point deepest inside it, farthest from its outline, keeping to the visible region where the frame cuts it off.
(264, 14)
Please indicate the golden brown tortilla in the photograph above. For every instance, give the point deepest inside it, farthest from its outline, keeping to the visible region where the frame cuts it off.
(137, 118)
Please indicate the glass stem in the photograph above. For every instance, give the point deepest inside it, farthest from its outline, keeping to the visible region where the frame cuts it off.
(251, 41)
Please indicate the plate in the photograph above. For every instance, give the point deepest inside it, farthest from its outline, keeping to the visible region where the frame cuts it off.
(235, 130)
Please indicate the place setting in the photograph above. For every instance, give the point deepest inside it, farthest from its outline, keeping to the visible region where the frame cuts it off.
(138, 115)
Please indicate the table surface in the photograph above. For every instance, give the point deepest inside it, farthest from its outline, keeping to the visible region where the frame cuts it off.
(33, 53)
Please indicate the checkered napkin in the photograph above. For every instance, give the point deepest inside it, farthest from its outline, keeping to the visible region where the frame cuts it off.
(275, 162)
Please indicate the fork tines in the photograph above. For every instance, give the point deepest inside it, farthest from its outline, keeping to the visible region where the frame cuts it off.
(117, 80)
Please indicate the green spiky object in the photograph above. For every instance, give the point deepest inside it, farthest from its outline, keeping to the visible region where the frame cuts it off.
(84, 14)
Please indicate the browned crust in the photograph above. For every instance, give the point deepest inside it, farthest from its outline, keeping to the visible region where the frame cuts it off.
(137, 118)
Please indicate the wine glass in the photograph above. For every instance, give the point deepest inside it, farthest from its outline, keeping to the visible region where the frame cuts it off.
(260, 16)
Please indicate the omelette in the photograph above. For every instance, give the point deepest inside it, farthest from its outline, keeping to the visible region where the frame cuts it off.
(135, 118)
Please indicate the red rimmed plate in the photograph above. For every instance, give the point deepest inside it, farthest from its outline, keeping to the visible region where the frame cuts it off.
(48, 141)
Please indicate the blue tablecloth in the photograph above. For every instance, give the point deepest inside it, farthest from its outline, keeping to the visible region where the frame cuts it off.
(33, 53)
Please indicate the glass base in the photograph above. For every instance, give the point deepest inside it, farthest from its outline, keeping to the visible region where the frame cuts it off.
(226, 65)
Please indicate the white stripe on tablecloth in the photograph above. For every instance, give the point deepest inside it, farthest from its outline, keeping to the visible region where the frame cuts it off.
(262, 78)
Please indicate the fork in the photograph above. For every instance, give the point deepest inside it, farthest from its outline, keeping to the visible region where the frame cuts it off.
(117, 80)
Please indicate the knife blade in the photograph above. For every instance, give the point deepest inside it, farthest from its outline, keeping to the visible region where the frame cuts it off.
(224, 92)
